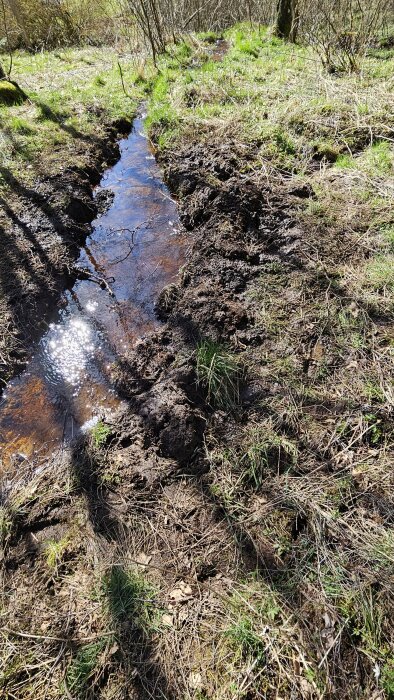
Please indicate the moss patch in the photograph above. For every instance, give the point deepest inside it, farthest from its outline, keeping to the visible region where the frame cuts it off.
(10, 94)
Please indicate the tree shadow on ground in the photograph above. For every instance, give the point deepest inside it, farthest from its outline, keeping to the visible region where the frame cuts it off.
(87, 472)
(128, 598)
(131, 604)
(51, 216)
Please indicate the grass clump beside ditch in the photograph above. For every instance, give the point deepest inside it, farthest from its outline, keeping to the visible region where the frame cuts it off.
(72, 95)
(219, 372)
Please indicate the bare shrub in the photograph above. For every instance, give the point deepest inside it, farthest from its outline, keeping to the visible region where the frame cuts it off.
(164, 20)
(38, 24)
(342, 30)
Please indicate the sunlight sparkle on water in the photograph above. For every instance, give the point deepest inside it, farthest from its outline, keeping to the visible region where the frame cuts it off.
(70, 349)
(91, 306)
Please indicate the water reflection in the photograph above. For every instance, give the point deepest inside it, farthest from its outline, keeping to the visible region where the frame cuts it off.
(134, 250)
(69, 350)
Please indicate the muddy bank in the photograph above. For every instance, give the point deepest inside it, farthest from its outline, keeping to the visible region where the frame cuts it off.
(237, 227)
(42, 228)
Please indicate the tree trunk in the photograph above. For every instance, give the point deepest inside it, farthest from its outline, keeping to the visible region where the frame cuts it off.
(2, 73)
(287, 19)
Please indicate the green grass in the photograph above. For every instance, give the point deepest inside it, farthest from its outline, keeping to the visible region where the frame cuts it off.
(73, 94)
(376, 160)
(379, 159)
(245, 639)
(252, 638)
(162, 118)
(387, 680)
(129, 598)
(54, 552)
(84, 668)
(209, 37)
(388, 237)
(379, 273)
(266, 452)
(247, 44)
(219, 372)
(100, 434)
(19, 125)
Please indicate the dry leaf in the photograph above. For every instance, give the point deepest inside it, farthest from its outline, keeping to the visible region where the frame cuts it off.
(317, 351)
(195, 681)
(181, 593)
(168, 620)
(143, 559)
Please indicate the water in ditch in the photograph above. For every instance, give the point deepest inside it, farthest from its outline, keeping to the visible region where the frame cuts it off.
(136, 247)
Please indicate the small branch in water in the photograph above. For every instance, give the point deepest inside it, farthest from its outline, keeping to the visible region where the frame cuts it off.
(116, 261)
(144, 224)
(86, 275)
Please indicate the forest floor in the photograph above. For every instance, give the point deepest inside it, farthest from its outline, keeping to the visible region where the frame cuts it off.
(230, 534)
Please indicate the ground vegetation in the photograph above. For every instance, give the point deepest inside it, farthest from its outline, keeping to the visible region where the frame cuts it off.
(228, 535)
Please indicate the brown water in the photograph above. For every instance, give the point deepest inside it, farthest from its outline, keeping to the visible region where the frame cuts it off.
(137, 248)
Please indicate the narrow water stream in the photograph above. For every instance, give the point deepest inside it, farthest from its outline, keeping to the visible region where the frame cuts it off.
(137, 248)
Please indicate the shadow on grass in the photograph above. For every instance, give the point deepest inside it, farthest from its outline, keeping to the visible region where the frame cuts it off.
(131, 604)
(130, 601)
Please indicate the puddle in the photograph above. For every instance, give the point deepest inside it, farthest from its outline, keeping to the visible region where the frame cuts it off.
(220, 48)
(137, 248)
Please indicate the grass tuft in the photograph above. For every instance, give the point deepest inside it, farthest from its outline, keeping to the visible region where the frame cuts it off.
(85, 668)
(54, 552)
(379, 273)
(100, 434)
(219, 371)
(130, 599)
(267, 452)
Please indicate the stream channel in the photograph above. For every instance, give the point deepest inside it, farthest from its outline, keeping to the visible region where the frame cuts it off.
(136, 246)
